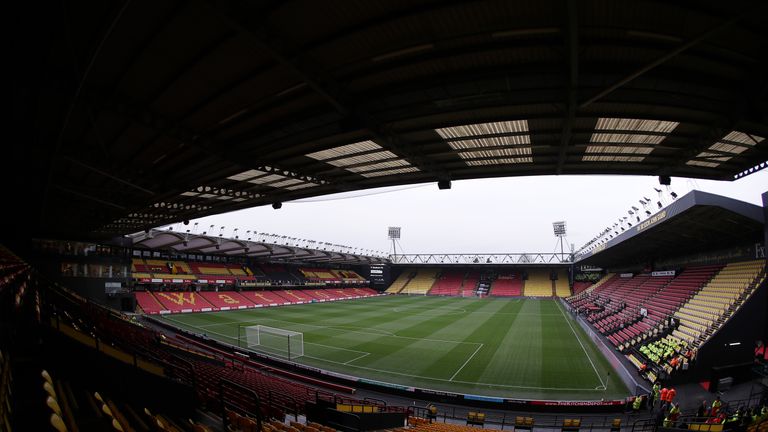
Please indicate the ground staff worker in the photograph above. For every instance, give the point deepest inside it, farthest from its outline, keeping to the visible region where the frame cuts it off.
(671, 395)
(716, 404)
(656, 394)
(637, 403)
(674, 414)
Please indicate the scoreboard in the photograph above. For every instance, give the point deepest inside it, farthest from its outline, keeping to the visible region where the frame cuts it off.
(379, 276)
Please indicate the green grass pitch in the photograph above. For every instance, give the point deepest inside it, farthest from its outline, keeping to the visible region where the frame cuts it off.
(514, 348)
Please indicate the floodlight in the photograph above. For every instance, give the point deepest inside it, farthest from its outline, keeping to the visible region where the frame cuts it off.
(393, 233)
(659, 204)
(443, 184)
(277, 205)
(648, 212)
(665, 180)
(674, 195)
(638, 218)
(559, 228)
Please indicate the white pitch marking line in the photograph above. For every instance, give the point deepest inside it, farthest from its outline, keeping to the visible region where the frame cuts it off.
(481, 384)
(465, 363)
(356, 358)
(582, 345)
(336, 348)
(340, 327)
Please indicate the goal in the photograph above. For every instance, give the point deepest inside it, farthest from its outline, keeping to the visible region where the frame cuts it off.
(273, 340)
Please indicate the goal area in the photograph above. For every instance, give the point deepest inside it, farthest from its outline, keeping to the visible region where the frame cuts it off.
(284, 343)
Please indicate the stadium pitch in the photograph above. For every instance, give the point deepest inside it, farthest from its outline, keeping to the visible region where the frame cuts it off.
(514, 348)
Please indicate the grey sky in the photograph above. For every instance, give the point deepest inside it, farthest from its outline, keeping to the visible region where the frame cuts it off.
(488, 215)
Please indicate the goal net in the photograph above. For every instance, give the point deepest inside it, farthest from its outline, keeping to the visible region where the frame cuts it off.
(281, 342)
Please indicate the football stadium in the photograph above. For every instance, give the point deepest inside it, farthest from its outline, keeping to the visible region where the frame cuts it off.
(128, 305)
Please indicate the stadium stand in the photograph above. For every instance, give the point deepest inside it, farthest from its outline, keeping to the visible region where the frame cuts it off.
(470, 284)
(148, 303)
(634, 310)
(421, 283)
(703, 314)
(507, 285)
(265, 298)
(579, 287)
(349, 276)
(226, 299)
(279, 274)
(449, 283)
(538, 284)
(203, 366)
(296, 296)
(619, 319)
(607, 277)
(401, 281)
(180, 301)
(210, 269)
(157, 271)
(562, 288)
(321, 275)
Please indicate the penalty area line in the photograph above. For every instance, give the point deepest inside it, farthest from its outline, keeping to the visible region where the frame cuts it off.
(465, 363)
(356, 358)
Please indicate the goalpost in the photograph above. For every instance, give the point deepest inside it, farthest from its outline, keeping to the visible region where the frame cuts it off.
(274, 340)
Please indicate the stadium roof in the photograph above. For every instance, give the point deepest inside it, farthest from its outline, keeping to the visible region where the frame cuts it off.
(138, 114)
(285, 250)
(697, 221)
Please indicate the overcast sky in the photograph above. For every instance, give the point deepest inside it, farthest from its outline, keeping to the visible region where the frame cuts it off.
(489, 215)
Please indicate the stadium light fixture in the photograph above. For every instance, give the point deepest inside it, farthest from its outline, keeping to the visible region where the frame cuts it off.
(673, 194)
(443, 184)
(659, 204)
(277, 205)
(648, 212)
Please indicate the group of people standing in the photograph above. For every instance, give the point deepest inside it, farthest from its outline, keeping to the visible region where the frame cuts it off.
(662, 401)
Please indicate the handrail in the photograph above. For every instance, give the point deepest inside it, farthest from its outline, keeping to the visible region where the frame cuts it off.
(225, 403)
